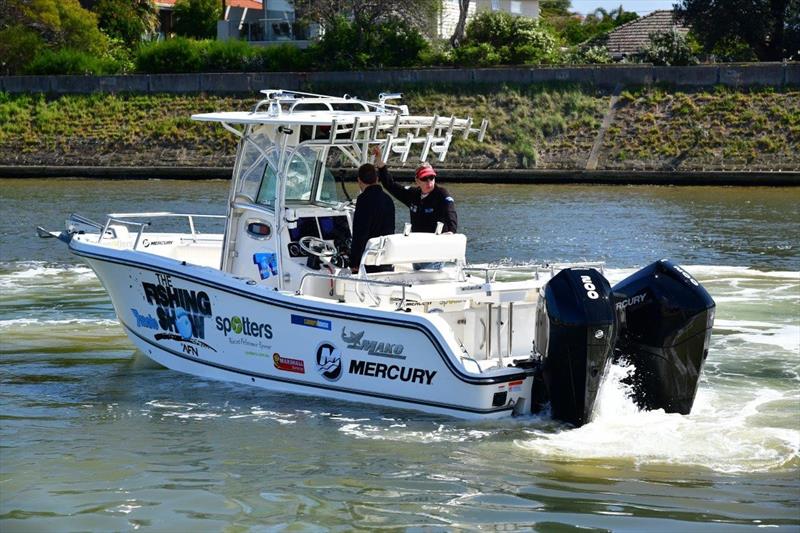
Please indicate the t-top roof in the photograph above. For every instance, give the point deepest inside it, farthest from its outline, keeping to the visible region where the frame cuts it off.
(312, 118)
(348, 117)
(295, 107)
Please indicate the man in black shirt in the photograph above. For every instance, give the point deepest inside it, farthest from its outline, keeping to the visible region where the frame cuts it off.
(427, 202)
(374, 217)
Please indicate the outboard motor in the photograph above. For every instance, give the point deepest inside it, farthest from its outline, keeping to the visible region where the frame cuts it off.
(666, 318)
(575, 334)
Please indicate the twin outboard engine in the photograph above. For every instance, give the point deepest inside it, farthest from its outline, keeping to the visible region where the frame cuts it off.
(575, 335)
(658, 320)
(666, 319)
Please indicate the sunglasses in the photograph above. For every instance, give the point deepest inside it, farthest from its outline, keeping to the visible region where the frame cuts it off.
(427, 178)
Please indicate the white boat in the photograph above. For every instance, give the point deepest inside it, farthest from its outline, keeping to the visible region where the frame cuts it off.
(268, 302)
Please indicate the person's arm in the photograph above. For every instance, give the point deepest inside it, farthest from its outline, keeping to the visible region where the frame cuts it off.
(398, 191)
(403, 194)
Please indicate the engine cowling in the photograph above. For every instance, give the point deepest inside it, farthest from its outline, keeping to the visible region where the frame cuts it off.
(666, 318)
(575, 335)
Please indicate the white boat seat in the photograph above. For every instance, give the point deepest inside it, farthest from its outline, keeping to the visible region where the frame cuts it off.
(415, 248)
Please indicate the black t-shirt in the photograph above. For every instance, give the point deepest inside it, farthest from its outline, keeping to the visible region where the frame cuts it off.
(438, 206)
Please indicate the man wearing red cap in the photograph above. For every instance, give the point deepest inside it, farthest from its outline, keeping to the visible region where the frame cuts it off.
(427, 202)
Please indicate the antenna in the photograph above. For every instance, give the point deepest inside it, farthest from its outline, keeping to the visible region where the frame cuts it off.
(383, 97)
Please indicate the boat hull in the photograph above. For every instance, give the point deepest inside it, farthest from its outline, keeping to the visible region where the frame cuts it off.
(200, 321)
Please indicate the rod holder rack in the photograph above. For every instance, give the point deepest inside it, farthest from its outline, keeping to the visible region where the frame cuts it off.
(363, 122)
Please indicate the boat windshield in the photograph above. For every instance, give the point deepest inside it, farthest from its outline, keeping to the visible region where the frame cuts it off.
(307, 178)
(300, 173)
(256, 171)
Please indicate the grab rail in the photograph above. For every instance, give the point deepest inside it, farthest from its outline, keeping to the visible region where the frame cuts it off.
(535, 269)
(117, 217)
(402, 285)
(110, 219)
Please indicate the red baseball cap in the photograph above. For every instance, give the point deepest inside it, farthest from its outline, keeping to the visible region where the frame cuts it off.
(425, 170)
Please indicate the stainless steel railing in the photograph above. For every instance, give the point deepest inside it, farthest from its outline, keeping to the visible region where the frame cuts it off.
(492, 270)
(402, 285)
(118, 218)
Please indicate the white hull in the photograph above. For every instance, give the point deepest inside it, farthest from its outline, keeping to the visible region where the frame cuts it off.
(242, 332)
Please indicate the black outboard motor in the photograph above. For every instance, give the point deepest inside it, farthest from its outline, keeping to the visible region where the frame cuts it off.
(575, 334)
(666, 319)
